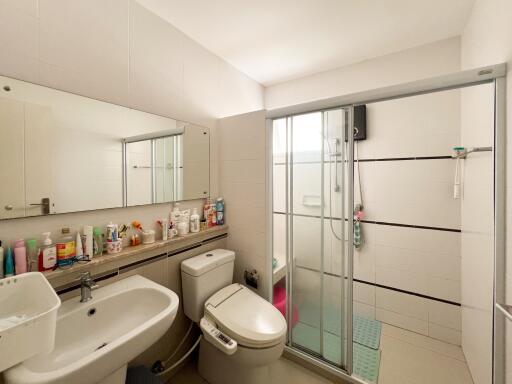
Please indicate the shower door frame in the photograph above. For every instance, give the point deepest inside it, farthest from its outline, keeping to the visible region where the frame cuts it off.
(495, 74)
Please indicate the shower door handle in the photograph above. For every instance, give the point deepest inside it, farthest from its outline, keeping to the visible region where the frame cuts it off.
(505, 310)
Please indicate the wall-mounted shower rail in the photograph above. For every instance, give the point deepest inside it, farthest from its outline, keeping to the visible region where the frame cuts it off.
(462, 153)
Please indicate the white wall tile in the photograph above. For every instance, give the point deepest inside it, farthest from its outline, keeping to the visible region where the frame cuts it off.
(364, 293)
(443, 314)
(242, 181)
(398, 320)
(445, 334)
(477, 343)
(156, 63)
(401, 303)
(364, 310)
(77, 58)
(444, 288)
(200, 84)
(425, 125)
(414, 281)
(19, 40)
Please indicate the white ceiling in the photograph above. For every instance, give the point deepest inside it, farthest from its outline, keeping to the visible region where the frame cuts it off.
(278, 40)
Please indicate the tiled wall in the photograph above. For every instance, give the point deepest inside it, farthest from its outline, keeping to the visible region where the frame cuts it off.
(408, 271)
(242, 182)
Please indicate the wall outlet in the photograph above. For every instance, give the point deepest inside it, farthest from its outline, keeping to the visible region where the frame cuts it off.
(251, 278)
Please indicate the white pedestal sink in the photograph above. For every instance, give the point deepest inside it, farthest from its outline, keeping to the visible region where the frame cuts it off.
(96, 340)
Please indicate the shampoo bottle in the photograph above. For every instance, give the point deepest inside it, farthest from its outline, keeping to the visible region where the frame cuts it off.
(20, 257)
(2, 262)
(47, 254)
(9, 263)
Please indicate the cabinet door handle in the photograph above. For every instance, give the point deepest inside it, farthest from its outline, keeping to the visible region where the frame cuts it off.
(44, 204)
(9, 207)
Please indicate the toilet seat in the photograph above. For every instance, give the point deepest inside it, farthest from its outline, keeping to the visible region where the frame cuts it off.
(246, 317)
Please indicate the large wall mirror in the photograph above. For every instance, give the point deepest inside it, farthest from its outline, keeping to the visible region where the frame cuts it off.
(62, 153)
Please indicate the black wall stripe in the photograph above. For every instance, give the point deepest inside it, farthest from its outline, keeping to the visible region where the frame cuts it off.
(375, 159)
(408, 292)
(378, 222)
(386, 287)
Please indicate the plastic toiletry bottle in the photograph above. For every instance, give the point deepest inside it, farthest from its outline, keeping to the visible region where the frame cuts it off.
(32, 255)
(20, 257)
(66, 251)
(206, 212)
(9, 263)
(89, 241)
(213, 214)
(47, 254)
(112, 232)
(97, 241)
(175, 215)
(220, 211)
(79, 248)
(165, 229)
(2, 262)
(194, 221)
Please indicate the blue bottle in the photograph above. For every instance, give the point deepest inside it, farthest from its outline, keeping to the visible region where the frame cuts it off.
(220, 211)
(9, 263)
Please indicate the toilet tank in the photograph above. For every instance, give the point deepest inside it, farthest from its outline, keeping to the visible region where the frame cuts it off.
(202, 276)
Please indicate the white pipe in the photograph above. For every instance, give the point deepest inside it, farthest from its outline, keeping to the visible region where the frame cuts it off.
(182, 359)
(180, 344)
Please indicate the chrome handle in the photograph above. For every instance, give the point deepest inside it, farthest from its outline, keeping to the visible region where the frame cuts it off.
(506, 310)
(45, 204)
(9, 207)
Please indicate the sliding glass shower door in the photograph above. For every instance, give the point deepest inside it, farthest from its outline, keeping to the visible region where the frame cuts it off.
(312, 182)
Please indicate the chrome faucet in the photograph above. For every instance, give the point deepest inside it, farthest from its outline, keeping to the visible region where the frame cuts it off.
(87, 284)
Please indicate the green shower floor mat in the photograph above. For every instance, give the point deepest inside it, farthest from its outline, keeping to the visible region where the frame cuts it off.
(366, 361)
(367, 332)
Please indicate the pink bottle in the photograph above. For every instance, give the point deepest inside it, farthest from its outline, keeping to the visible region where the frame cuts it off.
(20, 257)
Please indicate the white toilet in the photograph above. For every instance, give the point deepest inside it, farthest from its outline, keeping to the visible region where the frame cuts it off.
(242, 332)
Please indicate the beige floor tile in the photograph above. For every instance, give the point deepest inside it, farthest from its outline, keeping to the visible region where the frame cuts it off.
(188, 375)
(282, 371)
(422, 341)
(405, 363)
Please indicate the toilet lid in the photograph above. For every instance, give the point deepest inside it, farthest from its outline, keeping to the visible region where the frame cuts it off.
(246, 317)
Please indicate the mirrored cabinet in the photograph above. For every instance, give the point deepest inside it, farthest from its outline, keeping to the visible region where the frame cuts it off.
(64, 153)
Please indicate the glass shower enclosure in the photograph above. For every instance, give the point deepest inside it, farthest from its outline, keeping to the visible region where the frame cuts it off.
(312, 226)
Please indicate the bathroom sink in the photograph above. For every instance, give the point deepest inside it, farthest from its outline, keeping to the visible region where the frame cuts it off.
(95, 340)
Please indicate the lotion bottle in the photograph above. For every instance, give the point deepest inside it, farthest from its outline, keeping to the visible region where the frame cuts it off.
(20, 256)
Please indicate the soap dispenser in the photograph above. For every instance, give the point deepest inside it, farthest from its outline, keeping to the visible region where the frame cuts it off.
(47, 254)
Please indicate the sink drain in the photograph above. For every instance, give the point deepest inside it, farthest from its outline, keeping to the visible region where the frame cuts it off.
(91, 312)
